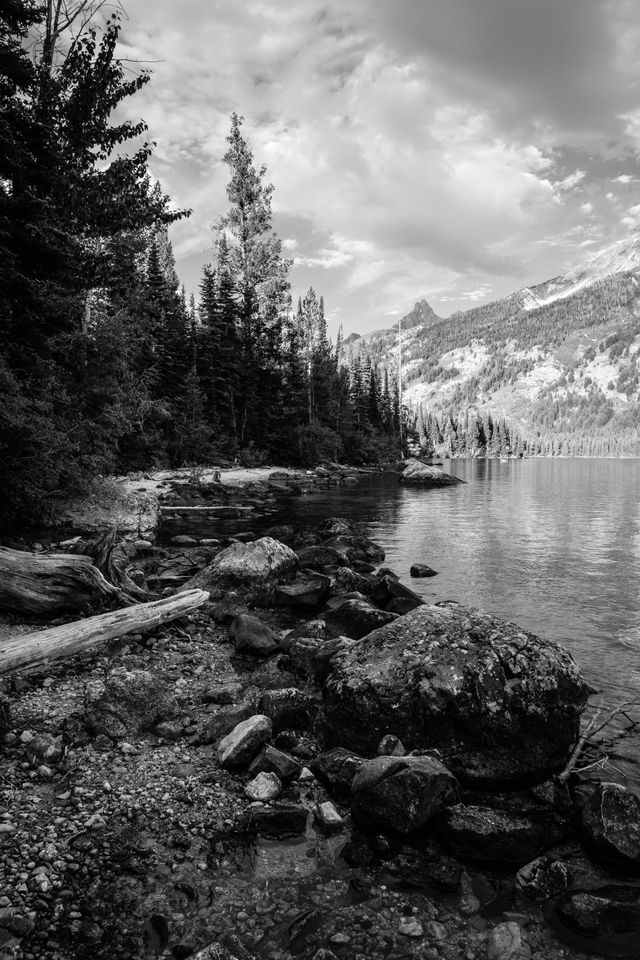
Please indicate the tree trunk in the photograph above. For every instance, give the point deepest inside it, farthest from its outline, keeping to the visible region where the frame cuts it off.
(45, 584)
(70, 639)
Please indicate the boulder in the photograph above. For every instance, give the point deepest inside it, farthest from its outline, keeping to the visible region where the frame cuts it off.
(347, 580)
(401, 793)
(250, 636)
(500, 704)
(357, 618)
(603, 912)
(304, 594)
(288, 708)
(611, 824)
(419, 474)
(128, 703)
(387, 589)
(239, 747)
(258, 565)
(543, 878)
(311, 657)
(336, 769)
(418, 570)
(357, 547)
(486, 835)
(317, 558)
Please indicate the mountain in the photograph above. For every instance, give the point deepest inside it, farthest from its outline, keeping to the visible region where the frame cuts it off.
(558, 363)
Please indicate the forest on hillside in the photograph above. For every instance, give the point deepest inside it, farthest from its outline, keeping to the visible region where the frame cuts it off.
(106, 365)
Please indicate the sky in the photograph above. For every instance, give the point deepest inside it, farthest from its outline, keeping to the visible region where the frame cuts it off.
(453, 150)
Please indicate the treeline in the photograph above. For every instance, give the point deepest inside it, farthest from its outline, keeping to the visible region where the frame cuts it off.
(104, 364)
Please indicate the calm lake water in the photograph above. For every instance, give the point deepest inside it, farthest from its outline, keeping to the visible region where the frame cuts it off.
(553, 545)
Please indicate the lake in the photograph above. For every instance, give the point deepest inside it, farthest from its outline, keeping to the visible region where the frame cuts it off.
(553, 545)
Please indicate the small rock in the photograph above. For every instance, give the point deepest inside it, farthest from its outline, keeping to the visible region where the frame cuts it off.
(250, 636)
(611, 823)
(505, 943)
(44, 747)
(410, 927)
(239, 747)
(390, 746)
(336, 769)
(288, 708)
(401, 793)
(422, 570)
(225, 694)
(169, 730)
(435, 930)
(543, 878)
(328, 817)
(264, 787)
(272, 760)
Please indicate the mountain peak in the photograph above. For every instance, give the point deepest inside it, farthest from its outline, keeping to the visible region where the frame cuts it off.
(420, 313)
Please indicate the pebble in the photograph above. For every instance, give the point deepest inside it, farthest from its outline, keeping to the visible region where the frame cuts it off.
(505, 943)
(410, 927)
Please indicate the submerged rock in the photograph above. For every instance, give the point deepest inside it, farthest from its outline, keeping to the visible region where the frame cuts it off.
(401, 793)
(611, 823)
(419, 474)
(280, 819)
(418, 570)
(500, 704)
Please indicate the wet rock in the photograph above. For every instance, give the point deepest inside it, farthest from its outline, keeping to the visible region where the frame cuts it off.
(390, 746)
(257, 565)
(611, 824)
(252, 637)
(280, 819)
(336, 769)
(335, 527)
(264, 787)
(357, 547)
(304, 594)
(272, 760)
(421, 570)
(401, 793)
(311, 657)
(388, 589)
(239, 747)
(357, 618)
(485, 835)
(401, 606)
(328, 817)
(128, 703)
(347, 581)
(419, 474)
(543, 878)
(319, 557)
(505, 943)
(501, 705)
(288, 708)
(603, 911)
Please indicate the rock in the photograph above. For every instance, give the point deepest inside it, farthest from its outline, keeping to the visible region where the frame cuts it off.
(335, 527)
(223, 721)
(223, 694)
(128, 703)
(259, 565)
(319, 557)
(419, 474)
(543, 878)
(311, 657)
(501, 705)
(347, 581)
(44, 748)
(505, 943)
(250, 636)
(264, 787)
(328, 817)
(231, 949)
(182, 540)
(280, 819)
(288, 708)
(401, 793)
(239, 747)
(336, 770)
(422, 570)
(5, 714)
(390, 746)
(388, 589)
(410, 927)
(228, 609)
(611, 824)
(486, 835)
(357, 547)
(283, 532)
(603, 912)
(304, 594)
(357, 618)
(169, 730)
(401, 606)
(272, 760)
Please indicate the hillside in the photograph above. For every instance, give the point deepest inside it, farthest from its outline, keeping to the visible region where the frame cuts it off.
(557, 365)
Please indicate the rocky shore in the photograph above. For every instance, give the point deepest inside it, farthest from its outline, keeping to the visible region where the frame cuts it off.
(315, 764)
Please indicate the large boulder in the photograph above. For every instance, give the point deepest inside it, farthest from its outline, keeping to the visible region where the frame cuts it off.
(419, 474)
(401, 793)
(611, 824)
(501, 705)
(128, 703)
(258, 566)
(357, 618)
(487, 835)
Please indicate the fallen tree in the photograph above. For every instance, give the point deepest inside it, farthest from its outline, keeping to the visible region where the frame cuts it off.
(48, 583)
(70, 639)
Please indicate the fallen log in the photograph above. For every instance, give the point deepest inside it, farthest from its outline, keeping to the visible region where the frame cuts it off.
(103, 552)
(48, 583)
(70, 639)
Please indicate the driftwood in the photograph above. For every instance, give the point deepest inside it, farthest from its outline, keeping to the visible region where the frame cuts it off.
(102, 553)
(70, 639)
(594, 727)
(45, 584)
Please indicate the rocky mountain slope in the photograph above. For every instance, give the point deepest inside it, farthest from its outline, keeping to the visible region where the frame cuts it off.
(558, 363)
